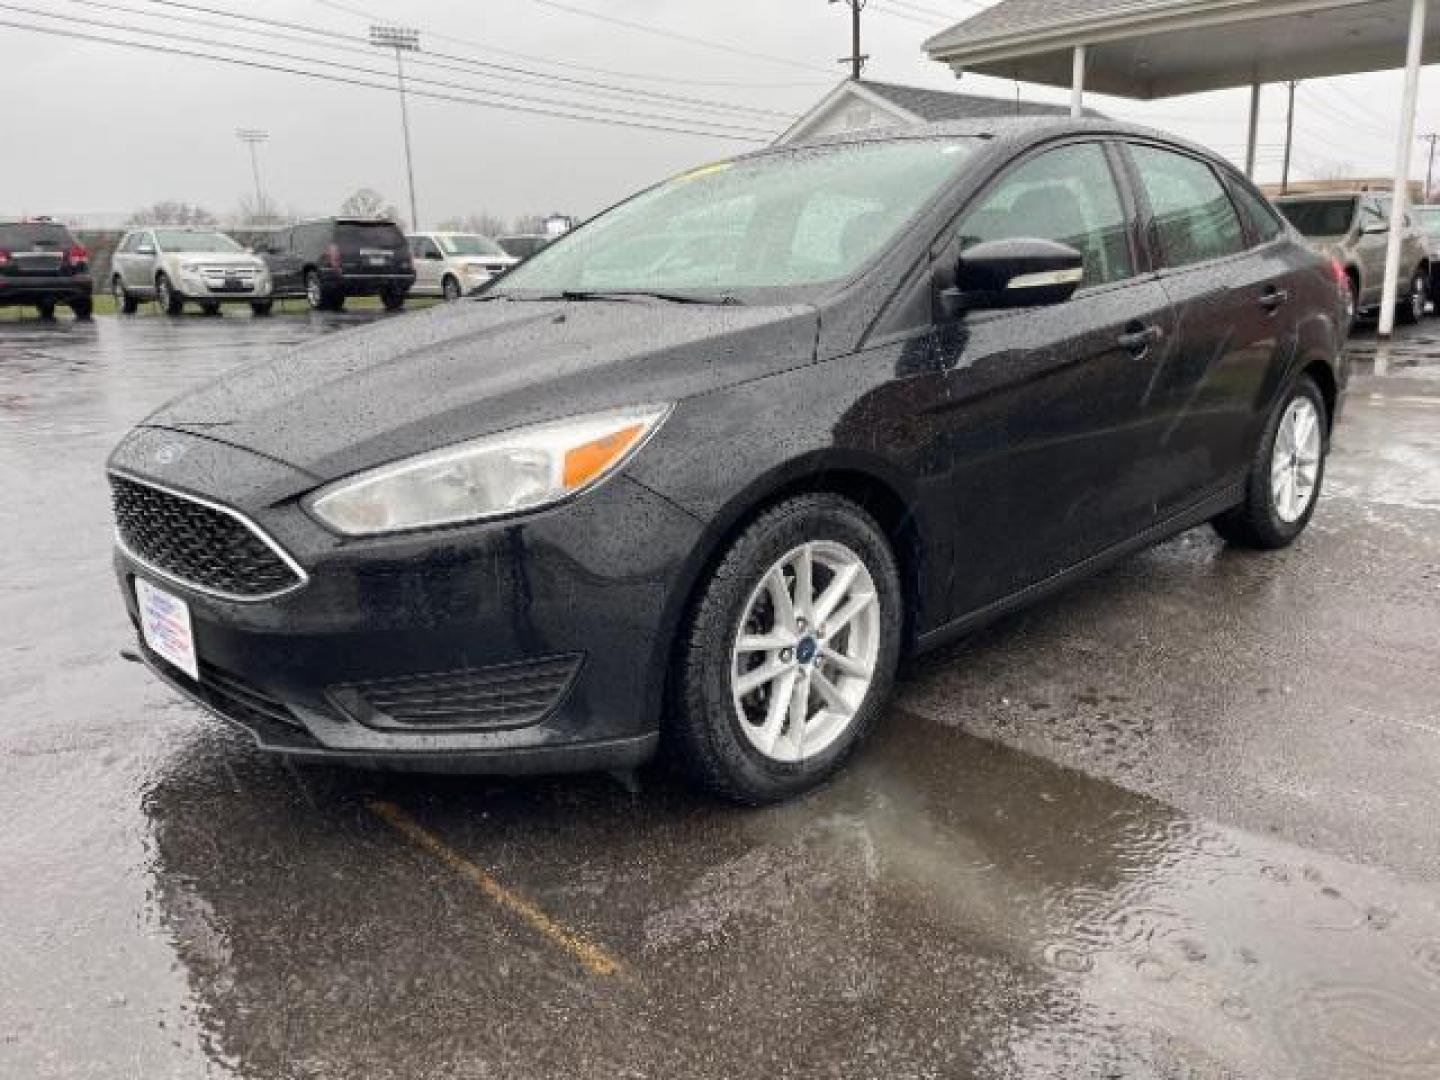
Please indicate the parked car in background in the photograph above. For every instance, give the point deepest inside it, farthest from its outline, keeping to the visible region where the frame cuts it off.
(330, 259)
(173, 266)
(42, 265)
(523, 245)
(1428, 218)
(1355, 228)
(714, 501)
(452, 264)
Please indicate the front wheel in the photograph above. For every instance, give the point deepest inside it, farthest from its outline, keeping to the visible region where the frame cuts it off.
(450, 287)
(46, 308)
(261, 308)
(1412, 306)
(320, 298)
(790, 654)
(1285, 476)
(82, 307)
(125, 302)
(170, 301)
(209, 308)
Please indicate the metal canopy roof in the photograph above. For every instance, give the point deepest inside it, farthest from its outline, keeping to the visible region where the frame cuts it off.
(1159, 48)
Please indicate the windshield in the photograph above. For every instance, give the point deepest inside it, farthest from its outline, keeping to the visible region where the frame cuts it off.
(184, 240)
(1320, 217)
(790, 219)
(37, 236)
(470, 245)
(1429, 218)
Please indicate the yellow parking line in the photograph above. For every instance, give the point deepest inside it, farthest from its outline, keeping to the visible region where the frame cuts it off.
(593, 958)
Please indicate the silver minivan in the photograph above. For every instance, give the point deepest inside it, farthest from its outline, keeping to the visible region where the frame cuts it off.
(452, 264)
(173, 265)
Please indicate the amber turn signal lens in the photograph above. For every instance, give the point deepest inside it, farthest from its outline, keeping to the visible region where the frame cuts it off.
(589, 460)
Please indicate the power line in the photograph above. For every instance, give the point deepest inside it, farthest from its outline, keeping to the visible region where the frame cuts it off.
(322, 77)
(717, 126)
(432, 59)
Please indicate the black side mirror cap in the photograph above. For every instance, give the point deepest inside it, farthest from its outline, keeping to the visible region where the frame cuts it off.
(1002, 274)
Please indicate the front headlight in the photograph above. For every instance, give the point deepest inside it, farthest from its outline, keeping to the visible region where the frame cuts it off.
(490, 477)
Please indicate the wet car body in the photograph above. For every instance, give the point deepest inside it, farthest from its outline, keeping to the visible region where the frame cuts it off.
(1005, 453)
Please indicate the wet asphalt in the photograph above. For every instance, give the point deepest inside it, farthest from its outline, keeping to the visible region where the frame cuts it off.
(1177, 822)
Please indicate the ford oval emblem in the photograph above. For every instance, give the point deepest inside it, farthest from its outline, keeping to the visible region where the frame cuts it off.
(169, 454)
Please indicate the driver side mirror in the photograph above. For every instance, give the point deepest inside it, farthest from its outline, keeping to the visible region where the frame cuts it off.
(145, 249)
(1004, 274)
(1374, 228)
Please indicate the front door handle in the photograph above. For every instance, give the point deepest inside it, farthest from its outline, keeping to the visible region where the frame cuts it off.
(1272, 299)
(1137, 338)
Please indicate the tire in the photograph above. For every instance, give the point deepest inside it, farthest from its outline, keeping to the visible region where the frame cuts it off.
(170, 301)
(261, 308)
(46, 308)
(125, 303)
(1267, 520)
(210, 308)
(393, 299)
(319, 297)
(1352, 314)
(720, 738)
(450, 287)
(1411, 309)
(83, 308)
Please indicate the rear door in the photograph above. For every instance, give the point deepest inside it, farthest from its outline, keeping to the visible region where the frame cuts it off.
(429, 264)
(1235, 297)
(1045, 405)
(1371, 246)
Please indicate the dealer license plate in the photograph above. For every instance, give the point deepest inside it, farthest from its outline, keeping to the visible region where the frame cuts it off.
(165, 626)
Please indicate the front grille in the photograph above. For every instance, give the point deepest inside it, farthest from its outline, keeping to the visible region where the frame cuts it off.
(220, 278)
(198, 544)
(473, 699)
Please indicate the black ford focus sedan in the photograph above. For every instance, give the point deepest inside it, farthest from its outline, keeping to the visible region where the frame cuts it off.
(706, 468)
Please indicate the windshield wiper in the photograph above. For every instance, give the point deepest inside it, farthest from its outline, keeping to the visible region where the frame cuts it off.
(580, 295)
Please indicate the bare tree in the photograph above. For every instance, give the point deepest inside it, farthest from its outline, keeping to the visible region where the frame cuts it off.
(530, 223)
(261, 212)
(369, 203)
(169, 212)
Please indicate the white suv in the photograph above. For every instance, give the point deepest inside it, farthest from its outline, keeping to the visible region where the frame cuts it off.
(171, 266)
(453, 265)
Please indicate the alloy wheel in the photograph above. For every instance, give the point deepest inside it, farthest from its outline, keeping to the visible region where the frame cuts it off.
(805, 654)
(313, 293)
(1418, 297)
(117, 290)
(1295, 464)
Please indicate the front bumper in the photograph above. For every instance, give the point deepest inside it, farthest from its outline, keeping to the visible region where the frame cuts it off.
(30, 290)
(552, 627)
(197, 287)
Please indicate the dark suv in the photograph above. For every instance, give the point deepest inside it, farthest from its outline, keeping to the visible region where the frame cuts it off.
(325, 261)
(42, 265)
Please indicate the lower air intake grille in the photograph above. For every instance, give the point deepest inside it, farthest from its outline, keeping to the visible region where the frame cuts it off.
(474, 699)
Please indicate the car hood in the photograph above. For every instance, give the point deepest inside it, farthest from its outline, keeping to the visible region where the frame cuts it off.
(379, 393)
(216, 258)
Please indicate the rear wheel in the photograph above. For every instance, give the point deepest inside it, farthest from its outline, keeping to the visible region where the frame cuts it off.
(1285, 476)
(210, 307)
(790, 654)
(319, 297)
(1412, 305)
(125, 303)
(261, 308)
(393, 299)
(82, 307)
(46, 308)
(450, 287)
(170, 301)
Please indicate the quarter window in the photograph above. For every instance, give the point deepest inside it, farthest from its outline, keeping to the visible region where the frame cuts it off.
(1067, 195)
(1261, 216)
(1194, 219)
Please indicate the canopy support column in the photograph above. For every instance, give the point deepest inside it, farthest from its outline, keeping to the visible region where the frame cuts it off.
(1404, 145)
(1253, 140)
(1077, 86)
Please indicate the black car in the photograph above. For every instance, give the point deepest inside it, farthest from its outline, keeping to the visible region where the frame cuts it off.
(707, 467)
(42, 265)
(328, 260)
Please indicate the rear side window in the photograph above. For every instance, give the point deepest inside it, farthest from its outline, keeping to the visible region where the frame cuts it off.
(1067, 195)
(1194, 219)
(1262, 217)
(359, 235)
(37, 236)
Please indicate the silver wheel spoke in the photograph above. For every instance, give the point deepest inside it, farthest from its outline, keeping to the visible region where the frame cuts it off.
(779, 590)
(848, 665)
(830, 694)
(772, 642)
(777, 710)
(805, 583)
(838, 588)
(799, 713)
(753, 680)
(856, 605)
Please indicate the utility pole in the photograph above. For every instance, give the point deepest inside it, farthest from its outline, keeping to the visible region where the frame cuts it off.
(1432, 139)
(253, 137)
(856, 59)
(402, 40)
(1289, 140)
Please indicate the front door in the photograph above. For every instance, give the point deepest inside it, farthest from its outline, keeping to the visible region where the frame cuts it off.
(1050, 452)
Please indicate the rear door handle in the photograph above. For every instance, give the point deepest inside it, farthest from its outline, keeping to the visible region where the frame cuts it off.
(1273, 298)
(1138, 338)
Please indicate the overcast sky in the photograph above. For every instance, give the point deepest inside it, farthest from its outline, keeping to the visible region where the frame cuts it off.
(96, 129)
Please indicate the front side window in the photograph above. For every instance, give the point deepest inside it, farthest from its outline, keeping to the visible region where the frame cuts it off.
(791, 219)
(1067, 195)
(1194, 219)
(469, 244)
(184, 240)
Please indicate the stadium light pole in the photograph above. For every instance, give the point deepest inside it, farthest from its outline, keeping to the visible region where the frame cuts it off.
(402, 40)
(253, 138)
